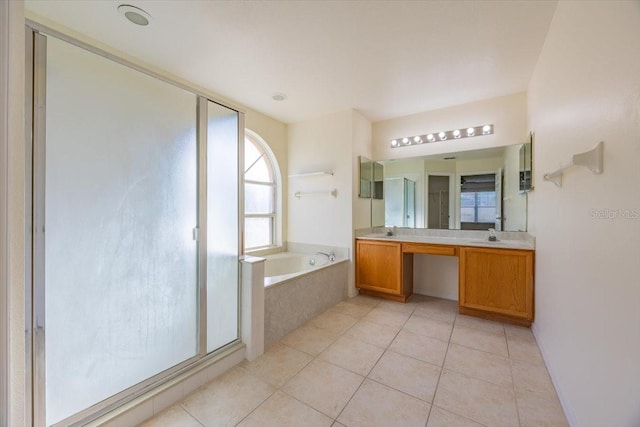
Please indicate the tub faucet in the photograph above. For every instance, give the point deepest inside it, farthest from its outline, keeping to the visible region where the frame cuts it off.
(330, 255)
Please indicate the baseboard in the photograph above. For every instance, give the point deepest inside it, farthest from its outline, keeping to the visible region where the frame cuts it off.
(571, 419)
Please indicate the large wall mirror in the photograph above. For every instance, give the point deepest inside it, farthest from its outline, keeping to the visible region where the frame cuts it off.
(469, 190)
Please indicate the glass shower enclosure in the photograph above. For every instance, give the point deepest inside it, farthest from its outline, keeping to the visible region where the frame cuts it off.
(400, 204)
(136, 231)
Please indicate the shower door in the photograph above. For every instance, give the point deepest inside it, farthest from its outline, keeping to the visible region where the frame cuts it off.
(400, 205)
(126, 289)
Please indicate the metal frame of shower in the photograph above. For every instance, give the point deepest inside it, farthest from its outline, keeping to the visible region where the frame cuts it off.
(4, 187)
(35, 329)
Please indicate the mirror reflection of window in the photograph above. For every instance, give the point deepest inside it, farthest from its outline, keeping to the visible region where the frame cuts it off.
(478, 208)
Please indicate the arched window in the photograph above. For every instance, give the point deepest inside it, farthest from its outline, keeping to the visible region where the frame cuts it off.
(261, 193)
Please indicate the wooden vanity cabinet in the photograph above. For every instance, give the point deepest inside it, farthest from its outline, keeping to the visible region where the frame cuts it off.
(382, 270)
(496, 284)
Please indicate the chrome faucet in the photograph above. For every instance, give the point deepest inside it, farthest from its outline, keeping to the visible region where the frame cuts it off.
(330, 255)
(492, 235)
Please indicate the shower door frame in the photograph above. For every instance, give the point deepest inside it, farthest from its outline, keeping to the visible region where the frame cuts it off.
(4, 213)
(35, 328)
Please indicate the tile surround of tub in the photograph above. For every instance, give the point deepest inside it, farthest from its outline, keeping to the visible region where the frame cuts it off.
(293, 303)
(402, 376)
(306, 248)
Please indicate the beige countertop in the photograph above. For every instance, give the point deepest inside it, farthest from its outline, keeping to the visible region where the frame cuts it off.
(454, 241)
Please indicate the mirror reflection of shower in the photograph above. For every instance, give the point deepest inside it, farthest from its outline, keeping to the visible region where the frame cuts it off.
(400, 206)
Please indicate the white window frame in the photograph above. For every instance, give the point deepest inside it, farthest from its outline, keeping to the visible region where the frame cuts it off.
(276, 215)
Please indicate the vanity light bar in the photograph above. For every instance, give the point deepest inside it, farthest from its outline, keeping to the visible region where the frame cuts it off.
(442, 136)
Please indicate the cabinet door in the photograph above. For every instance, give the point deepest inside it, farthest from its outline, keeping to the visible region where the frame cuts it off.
(497, 281)
(379, 266)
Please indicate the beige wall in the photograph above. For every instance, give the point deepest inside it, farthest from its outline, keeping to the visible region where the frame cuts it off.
(16, 214)
(329, 143)
(585, 89)
(508, 114)
(4, 144)
(361, 147)
(322, 144)
(361, 208)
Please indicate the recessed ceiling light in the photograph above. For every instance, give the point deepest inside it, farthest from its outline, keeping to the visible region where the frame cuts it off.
(278, 96)
(134, 14)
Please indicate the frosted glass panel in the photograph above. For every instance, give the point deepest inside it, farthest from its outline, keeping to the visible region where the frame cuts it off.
(120, 260)
(257, 232)
(259, 199)
(222, 226)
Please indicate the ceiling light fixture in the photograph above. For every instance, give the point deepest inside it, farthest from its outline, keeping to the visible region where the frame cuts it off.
(443, 136)
(278, 96)
(135, 14)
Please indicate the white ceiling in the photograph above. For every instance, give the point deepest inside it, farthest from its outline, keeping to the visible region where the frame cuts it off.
(383, 58)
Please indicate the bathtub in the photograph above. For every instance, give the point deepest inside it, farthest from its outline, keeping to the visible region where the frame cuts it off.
(287, 265)
(298, 287)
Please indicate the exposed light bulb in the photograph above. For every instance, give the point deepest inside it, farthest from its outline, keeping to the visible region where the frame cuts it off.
(470, 131)
(486, 129)
(405, 140)
(417, 139)
(442, 136)
(394, 143)
(431, 138)
(456, 133)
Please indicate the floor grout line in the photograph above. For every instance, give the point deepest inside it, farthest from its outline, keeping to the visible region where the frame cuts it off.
(374, 365)
(188, 413)
(386, 349)
(444, 361)
(513, 383)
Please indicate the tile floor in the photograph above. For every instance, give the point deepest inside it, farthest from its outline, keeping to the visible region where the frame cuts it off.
(370, 362)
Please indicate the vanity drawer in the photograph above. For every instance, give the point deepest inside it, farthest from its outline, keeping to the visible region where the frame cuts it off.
(424, 248)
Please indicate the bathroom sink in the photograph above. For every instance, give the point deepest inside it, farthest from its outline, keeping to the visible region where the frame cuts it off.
(380, 236)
